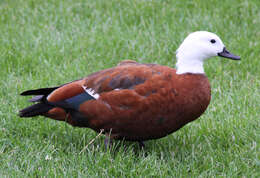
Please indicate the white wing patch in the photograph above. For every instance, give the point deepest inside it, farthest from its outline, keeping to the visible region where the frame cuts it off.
(91, 92)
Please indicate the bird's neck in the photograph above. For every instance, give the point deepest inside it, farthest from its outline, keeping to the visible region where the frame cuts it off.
(185, 65)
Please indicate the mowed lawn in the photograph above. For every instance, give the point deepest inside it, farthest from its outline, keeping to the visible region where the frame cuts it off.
(45, 43)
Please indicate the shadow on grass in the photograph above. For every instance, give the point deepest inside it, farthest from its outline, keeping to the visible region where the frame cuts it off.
(68, 139)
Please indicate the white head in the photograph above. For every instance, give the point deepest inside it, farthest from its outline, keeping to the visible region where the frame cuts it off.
(197, 47)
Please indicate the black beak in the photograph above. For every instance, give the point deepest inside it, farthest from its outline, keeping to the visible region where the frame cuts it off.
(225, 53)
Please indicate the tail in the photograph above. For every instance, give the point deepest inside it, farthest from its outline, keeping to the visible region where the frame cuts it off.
(35, 110)
(39, 108)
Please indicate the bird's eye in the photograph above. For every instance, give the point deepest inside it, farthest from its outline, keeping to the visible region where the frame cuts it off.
(213, 41)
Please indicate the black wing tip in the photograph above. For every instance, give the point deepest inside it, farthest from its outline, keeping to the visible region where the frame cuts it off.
(40, 91)
(25, 93)
(31, 92)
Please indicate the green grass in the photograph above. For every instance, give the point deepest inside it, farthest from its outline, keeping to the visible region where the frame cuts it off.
(48, 42)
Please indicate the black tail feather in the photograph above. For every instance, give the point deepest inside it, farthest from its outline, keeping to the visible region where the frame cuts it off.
(35, 110)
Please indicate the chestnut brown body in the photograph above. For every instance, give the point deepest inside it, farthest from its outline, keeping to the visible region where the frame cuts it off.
(133, 101)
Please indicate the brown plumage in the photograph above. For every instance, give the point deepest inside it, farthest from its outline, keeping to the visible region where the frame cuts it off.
(132, 101)
(137, 101)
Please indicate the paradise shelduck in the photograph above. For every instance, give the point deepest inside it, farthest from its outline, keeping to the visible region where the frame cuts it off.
(133, 101)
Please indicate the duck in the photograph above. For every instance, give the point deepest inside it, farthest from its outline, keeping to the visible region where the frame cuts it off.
(135, 101)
